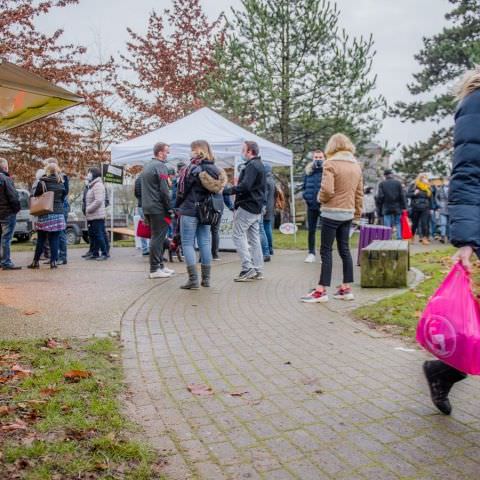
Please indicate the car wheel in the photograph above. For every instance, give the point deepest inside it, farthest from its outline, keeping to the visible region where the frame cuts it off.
(72, 237)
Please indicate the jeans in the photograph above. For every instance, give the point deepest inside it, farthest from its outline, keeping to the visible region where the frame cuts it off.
(190, 228)
(6, 239)
(263, 239)
(421, 222)
(246, 237)
(267, 226)
(312, 219)
(159, 228)
(393, 220)
(97, 237)
(433, 223)
(143, 241)
(331, 230)
(444, 227)
(62, 247)
(215, 231)
(53, 240)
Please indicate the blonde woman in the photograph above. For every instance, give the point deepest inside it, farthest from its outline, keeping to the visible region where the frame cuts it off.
(50, 226)
(420, 195)
(196, 183)
(464, 213)
(341, 197)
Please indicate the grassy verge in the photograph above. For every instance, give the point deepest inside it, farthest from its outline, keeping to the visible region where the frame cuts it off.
(404, 311)
(59, 428)
(287, 242)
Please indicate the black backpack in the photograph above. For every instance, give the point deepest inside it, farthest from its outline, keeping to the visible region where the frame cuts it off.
(209, 212)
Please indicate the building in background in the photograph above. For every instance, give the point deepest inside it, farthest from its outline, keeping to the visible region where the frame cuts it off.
(374, 161)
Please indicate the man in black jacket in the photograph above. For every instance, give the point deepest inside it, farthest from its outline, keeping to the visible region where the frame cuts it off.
(249, 201)
(391, 201)
(9, 207)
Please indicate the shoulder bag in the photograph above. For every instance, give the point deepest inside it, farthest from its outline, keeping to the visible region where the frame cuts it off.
(42, 204)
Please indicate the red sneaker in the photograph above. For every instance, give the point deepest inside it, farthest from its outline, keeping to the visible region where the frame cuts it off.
(344, 294)
(315, 297)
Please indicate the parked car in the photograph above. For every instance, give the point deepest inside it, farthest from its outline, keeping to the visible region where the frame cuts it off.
(24, 227)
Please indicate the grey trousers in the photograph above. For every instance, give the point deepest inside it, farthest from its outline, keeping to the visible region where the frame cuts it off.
(246, 237)
(159, 228)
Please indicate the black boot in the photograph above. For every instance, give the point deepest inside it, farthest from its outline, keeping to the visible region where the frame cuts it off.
(440, 378)
(206, 275)
(34, 265)
(192, 283)
(53, 264)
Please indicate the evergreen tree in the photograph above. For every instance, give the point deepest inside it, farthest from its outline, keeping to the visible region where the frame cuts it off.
(288, 71)
(444, 58)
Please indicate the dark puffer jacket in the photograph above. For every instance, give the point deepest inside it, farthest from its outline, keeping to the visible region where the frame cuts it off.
(58, 189)
(201, 180)
(311, 184)
(419, 200)
(9, 201)
(464, 194)
(391, 197)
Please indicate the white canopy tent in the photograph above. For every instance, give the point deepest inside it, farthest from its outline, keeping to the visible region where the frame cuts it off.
(225, 137)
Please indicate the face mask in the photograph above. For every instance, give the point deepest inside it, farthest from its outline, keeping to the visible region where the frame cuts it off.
(89, 177)
(243, 157)
(317, 163)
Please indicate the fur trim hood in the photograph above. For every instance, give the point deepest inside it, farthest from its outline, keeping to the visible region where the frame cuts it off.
(310, 169)
(343, 156)
(212, 184)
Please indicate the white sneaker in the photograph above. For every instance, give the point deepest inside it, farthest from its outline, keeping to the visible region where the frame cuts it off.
(310, 258)
(160, 274)
(169, 270)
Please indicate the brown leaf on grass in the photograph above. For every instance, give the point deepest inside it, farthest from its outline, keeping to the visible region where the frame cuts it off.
(74, 434)
(240, 393)
(22, 463)
(48, 392)
(9, 356)
(30, 312)
(418, 314)
(77, 375)
(36, 402)
(4, 410)
(52, 343)
(17, 425)
(200, 390)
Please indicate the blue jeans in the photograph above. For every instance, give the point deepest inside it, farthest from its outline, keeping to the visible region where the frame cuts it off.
(7, 235)
(267, 226)
(444, 230)
(53, 240)
(190, 229)
(433, 223)
(264, 239)
(62, 242)
(97, 237)
(393, 220)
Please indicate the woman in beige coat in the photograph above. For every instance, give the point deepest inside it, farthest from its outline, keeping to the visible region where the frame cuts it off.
(341, 197)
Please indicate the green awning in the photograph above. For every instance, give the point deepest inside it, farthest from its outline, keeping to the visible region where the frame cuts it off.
(25, 97)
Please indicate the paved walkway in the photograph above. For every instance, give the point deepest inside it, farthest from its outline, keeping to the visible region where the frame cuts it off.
(300, 391)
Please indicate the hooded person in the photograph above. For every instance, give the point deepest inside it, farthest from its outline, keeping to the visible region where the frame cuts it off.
(312, 181)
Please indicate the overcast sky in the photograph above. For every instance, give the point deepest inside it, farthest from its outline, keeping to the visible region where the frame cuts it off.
(397, 27)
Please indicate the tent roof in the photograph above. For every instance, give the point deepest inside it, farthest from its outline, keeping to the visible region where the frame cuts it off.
(225, 137)
(25, 96)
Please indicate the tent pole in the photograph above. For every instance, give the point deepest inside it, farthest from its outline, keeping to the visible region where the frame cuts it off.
(292, 194)
(112, 217)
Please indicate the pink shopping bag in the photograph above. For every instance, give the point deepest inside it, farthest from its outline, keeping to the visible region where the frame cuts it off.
(450, 325)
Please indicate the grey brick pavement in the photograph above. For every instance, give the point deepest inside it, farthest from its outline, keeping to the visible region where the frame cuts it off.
(327, 399)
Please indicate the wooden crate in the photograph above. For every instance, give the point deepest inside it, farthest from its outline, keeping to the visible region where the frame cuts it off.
(385, 264)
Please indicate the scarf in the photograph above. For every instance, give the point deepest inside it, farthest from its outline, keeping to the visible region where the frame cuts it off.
(424, 187)
(194, 162)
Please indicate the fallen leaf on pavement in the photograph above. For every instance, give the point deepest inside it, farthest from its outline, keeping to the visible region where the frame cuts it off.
(287, 363)
(238, 394)
(30, 312)
(309, 380)
(200, 390)
(77, 375)
(17, 425)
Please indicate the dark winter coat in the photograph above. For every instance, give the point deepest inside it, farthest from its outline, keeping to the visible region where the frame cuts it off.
(9, 201)
(201, 181)
(420, 200)
(155, 189)
(58, 189)
(464, 193)
(138, 191)
(391, 197)
(312, 181)
(250, 190)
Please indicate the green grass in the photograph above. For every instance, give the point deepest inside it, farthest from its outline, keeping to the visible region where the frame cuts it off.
(404, 310)
(78, 431)
(287, 242)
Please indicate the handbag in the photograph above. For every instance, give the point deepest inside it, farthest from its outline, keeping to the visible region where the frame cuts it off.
(209, 212)
(405, 224)
(143, 230)
(42, 204)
